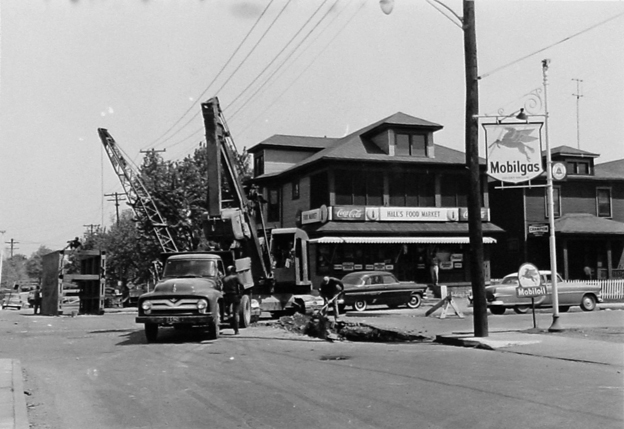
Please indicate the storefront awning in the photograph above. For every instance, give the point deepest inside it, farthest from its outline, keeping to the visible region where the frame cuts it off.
(398, 240)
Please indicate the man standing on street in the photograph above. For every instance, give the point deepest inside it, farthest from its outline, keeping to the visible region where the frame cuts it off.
(232, 292)
(330, 288)
(37, 300)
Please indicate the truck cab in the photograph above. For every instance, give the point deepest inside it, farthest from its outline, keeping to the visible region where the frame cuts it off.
(189, 294)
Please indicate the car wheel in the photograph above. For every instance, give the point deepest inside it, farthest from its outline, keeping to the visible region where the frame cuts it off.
(359, 305)
(245, 312)
(521, 309)
(564, 308)
(151, 332)
(588, 303)
(497, 309)
(414, 301)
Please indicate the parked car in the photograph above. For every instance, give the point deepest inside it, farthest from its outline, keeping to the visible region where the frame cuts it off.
(14, 300)
(364, 288)
(502, 296)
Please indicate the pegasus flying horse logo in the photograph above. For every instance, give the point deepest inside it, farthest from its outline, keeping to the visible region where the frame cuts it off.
(515, 139)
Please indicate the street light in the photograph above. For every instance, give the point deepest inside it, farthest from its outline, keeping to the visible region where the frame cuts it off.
(475, 227)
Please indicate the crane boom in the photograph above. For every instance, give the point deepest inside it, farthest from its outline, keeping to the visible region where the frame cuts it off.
(138, 197)
(222, 156)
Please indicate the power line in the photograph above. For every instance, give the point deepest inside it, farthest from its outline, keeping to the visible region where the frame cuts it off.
(550, 46)
(278, 54)
(217, 76)
(279, 67)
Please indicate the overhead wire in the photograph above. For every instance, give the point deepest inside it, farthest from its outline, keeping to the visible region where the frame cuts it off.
(306, 68)
(549, 46)
(277, 55)
(244, 60)
(217, 75)
(279, 67)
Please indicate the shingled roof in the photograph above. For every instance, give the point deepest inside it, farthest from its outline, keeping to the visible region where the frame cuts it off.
(585, 223)
(358, 146)
(610, 170)
(288, 141)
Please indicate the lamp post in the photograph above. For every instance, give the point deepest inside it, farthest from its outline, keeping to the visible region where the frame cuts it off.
(475, 228)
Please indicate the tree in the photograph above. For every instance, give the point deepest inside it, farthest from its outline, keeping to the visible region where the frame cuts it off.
(14, 271)
(34, 264)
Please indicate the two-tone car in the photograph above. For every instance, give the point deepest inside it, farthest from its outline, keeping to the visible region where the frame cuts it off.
(364, 288)
(503, 295)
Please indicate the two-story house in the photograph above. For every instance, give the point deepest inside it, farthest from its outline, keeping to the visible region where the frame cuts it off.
(589, 219)
(384, 197)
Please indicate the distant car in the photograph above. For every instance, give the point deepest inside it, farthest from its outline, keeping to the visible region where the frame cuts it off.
(502, 296)
(13, 300)
(365, 288)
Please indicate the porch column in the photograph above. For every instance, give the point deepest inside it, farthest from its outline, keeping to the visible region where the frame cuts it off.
(564, 246)
(609, 260)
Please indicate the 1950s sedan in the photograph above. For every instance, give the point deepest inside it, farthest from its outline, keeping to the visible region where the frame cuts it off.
(363, 288)
(570, 293)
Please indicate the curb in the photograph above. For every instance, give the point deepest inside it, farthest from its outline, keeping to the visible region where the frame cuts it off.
(486, 343)
(19, 400)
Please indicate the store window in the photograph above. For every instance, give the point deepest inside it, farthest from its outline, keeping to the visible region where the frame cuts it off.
(258, 164)
(273, 206)
(358, 188)
(411, 190)
(295, 189)
(453, 191)
(603, 202)
(578, 167)
(319, 190)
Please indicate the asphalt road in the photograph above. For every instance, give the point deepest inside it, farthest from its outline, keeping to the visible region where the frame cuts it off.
(98, 372)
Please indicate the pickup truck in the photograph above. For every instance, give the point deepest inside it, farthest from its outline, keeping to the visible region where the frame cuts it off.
(188, 295)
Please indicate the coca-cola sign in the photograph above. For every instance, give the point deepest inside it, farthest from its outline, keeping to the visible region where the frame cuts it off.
(349, 213)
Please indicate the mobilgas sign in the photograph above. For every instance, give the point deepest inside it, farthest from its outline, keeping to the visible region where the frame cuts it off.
(514, 151)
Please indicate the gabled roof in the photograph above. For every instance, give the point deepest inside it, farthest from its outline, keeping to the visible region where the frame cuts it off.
(358, 147)
(570, 151)
(585, 223)
(284, 141)
(610, 170)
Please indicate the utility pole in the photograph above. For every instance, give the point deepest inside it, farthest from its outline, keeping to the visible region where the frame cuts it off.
(118, 197)
(1, 257)
(12, 243)
(578, 95)
(475, 227)
(153, 151)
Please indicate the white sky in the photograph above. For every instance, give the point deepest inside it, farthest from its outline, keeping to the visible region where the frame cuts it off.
(136, 66)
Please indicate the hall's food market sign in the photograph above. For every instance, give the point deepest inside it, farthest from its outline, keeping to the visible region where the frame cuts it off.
(389, 214)
(514, 151)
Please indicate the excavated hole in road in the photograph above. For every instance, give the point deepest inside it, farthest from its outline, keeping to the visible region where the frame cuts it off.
(321, 327)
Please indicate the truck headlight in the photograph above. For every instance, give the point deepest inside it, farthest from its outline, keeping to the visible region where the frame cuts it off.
(202, 305)
(146, 306)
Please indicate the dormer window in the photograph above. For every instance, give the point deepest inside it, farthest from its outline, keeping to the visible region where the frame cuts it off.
(410, 144)
(578, 167)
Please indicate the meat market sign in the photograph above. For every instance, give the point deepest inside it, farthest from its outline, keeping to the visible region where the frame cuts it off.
(514, 151)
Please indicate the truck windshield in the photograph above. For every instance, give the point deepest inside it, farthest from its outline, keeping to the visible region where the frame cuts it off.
(190, 268)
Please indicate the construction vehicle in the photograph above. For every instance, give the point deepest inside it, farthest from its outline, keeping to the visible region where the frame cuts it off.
(189, 292)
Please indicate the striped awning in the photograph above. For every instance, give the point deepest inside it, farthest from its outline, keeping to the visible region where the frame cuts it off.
(398, 240)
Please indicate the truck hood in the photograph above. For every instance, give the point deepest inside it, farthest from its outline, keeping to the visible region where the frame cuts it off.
(184, 286)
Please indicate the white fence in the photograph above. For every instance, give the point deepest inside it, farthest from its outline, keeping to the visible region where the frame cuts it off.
(612, 290)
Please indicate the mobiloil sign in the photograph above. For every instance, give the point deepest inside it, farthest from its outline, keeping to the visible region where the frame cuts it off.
(514, 151)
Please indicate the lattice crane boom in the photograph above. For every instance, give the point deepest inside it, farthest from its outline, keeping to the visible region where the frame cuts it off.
(139, 198)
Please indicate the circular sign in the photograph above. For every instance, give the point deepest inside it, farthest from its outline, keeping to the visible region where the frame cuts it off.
(324, 213)
(559, 171)
(529, 276)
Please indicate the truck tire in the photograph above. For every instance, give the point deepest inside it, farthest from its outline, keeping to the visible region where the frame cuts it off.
(245, 312)
(213, 328)
(151, 332)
